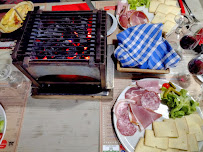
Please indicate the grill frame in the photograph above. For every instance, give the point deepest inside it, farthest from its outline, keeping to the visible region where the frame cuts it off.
(23, 62)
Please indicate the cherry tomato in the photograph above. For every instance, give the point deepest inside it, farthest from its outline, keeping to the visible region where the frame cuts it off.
(166, 85)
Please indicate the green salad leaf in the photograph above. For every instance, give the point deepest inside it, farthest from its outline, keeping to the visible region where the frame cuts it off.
(1, 126)
(137, 3)
(179, 105)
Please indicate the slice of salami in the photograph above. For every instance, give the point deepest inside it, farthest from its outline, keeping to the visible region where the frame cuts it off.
(125, 127)
(150, 100)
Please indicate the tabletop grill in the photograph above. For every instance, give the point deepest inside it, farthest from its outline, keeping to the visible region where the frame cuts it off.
(63, 52)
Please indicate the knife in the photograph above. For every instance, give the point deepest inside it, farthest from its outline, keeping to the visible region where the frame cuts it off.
(181, 6)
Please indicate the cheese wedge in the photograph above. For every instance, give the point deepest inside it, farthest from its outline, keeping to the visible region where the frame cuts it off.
(152, 141)
(143, 148)
(165, 129)
(158, 18)
(10, 21)
(23, 8)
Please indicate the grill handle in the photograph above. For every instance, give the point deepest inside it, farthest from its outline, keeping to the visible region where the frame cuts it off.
(89, 3)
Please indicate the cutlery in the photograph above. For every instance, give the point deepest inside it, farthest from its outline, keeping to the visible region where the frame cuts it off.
(189, 11)
(181, 6)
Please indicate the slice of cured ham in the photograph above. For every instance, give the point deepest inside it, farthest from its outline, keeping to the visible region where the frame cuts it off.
(150, 85)
(121, 8)
(138, 17)
(121, 107)
(150, 100)
(143, 116)
(135, 94)
(121, 111)
(123, 19)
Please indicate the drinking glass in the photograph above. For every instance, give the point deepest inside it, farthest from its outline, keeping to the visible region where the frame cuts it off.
(195, 67)
(192, 36)
(14, 78)
(183, 22)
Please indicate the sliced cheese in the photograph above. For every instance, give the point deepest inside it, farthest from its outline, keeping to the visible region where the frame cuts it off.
(165, 129)
(194, 122)
(143, 148)
(168, 26)
(182, 126)
(158, 142)
(196, 129)
(179, 143)
(171, 150)
(171, 2)
(158, 18)
(174, 10)
(192, 142)
(153, 6)
(169, 17)
(195, 118)
(163, 8)
(161, 1)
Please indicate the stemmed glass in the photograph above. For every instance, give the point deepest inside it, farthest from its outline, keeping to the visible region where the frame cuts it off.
(195, 67)
(189, 41)
(183, 22)
(14, 78)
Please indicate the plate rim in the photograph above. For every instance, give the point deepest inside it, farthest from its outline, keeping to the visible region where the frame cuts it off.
(5, 123)
(119, 135)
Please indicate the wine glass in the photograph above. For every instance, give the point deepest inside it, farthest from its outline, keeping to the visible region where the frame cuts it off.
(14, 78)
(195, 67)
(189, 41)
(192, 36)
(183, 21)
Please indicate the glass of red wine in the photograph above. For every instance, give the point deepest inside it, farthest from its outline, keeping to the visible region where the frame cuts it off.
(192, 37)
(183, 21)
(195, 67)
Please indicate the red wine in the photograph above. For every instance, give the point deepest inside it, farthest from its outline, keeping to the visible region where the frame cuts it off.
(195, 66)
(188, 42)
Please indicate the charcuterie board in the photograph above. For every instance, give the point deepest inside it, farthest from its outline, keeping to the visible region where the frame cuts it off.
(130, 142)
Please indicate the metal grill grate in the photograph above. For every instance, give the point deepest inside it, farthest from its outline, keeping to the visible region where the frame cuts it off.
(63, 36)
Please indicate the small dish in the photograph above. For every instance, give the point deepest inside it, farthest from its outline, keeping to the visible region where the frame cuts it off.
(111, 24)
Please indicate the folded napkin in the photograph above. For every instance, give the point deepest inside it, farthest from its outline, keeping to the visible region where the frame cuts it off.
(144, 47)
(71, 7)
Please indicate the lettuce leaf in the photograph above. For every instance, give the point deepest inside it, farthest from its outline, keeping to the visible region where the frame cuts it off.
(137, 3)
(179, 105)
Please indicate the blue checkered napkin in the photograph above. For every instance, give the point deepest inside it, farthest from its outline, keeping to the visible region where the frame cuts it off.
(144, 47)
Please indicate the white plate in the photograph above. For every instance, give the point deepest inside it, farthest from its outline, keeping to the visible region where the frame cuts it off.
(130, 142)
(150, 16)
(3, 117)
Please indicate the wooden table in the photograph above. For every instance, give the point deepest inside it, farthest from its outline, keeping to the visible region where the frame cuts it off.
(73, 125)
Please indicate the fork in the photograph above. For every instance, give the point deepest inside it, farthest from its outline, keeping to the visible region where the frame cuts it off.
(190, 12)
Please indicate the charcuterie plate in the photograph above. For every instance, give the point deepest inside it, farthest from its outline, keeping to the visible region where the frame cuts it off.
(130, 142)
(143, 9)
